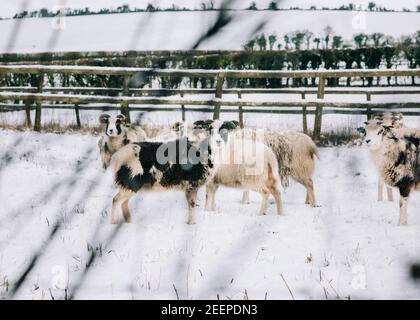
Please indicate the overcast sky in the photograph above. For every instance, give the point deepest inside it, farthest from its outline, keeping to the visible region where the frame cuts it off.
(10, 7)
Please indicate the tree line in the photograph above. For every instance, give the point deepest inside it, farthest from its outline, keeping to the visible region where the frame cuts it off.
(389, 57)
(204, 6)
(327, 39)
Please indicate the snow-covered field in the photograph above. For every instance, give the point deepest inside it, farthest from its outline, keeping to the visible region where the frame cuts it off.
(350, 246)
(181, 30)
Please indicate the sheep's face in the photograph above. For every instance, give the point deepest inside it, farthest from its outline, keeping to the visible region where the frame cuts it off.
(205, 128)
(375, 133)
(180, 128)
(113, 124)
(394, 119)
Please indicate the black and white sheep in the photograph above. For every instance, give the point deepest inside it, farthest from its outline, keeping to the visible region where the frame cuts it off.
(178, 164)
(116, 134)
(397, 158)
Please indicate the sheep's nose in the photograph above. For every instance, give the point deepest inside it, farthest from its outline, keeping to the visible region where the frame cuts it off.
(111, 130)
(368, 141)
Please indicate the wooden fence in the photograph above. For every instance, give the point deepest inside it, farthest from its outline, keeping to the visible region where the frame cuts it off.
(79, 98)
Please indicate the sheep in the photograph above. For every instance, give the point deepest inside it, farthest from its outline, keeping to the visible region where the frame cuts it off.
(179, 164)
(397, 157)
(247, 164)
(116, 135)
(295, 153)
(395, 120)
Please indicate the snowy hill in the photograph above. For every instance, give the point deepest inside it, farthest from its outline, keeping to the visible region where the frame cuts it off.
(180, 30)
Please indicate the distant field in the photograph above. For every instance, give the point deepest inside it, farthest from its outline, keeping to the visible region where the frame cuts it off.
(180, 30)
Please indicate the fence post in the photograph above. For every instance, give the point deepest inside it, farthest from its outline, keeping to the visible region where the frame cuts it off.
(28, 121)
(241, 111)
(369, 113)
(125, 109)
(318, 123)
(305, 120)
(182, 107)
(304, 114)
(38, 109)
(321, 88)
(219, 93)
(76, 109)
(368, 96)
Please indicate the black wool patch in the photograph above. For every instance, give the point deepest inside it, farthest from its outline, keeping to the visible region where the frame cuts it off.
(229, 125)
(405, 185)
(124, 179)
(402, 158)
(413, 140)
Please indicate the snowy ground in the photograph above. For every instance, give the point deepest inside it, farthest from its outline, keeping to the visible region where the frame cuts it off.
(181, 30)
(48, 179)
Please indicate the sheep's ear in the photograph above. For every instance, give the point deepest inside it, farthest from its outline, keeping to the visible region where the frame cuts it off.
(177, 125)
(103, 118)
(122, 118)
(366, 123)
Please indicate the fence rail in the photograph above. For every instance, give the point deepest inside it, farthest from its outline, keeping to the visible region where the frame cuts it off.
(80, 96)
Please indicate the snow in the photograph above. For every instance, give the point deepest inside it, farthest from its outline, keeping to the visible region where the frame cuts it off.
(326, 251)
(181, 30)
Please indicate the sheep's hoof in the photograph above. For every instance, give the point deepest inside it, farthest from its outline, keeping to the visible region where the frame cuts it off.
(128, 220)
(114, 222)
(191, 222)
(403, 223)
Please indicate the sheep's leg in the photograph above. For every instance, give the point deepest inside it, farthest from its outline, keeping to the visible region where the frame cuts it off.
(106, 160)
(405, 191)
(277, 197)
(125, 209)
(310, 193)
(380, 190)
(264, 204)
(403, 211)
(245, 197)
(207, 204)
(120, 202)
(191, 195)
(211, 190)
(389, 193)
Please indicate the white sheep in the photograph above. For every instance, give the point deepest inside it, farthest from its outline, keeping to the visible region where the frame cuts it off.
(397, 158)
(295, 153)
(247, 164)
(116, 134)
